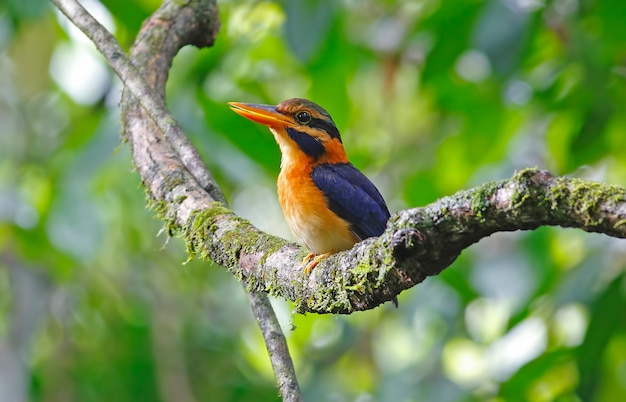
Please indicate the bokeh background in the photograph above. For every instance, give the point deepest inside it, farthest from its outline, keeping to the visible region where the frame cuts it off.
(431, 97)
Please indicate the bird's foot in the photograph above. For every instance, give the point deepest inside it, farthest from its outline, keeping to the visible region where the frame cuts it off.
(310, 261)
(306, 259)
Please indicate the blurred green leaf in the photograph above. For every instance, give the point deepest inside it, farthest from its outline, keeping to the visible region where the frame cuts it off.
(307, 26)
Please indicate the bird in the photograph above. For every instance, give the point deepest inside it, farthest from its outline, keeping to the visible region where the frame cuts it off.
(328, 204)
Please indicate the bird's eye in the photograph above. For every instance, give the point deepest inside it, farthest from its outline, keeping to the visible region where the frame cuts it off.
(303, 117)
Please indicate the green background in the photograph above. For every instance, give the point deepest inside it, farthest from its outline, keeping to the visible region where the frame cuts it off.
(430, 96)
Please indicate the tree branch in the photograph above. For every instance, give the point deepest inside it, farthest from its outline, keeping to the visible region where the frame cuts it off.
(170, 34)
(417, 243)
(154, 134)
(276, 347)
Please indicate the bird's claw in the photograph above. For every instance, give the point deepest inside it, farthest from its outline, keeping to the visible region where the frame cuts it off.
(311, 260)
(306, 259)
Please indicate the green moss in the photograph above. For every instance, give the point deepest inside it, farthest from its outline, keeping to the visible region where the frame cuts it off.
(525, 174)
(199, 237)
(370, 273)
(271, 245)
(362, 268)
(331, 300)
(619, 223)
(583, 197)
(480, 201)
(163, 209)
(237, 237)
(180, 199)
(331, 297)
(519, 197)
(160, 208)
(163, 212)
(357, 287)
(388, 257)
(201, 228)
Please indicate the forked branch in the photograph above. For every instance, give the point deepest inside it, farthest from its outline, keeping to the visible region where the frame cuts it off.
(418, 242)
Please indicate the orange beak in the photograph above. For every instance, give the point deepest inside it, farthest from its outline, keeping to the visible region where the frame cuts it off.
(264, 114)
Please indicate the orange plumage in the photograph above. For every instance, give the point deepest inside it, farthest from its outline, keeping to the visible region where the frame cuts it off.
(307, 214)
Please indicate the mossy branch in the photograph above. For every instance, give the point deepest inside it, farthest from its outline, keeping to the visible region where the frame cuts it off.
(417, 243)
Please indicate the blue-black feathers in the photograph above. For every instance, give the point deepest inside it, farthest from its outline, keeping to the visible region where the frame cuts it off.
(353, 197)
(308, 144)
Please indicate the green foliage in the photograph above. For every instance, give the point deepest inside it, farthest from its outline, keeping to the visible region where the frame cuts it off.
(430, 96)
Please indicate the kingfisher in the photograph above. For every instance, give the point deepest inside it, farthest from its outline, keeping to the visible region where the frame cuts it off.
(328, 204)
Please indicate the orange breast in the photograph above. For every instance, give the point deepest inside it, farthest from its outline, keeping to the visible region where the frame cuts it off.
(307, 213)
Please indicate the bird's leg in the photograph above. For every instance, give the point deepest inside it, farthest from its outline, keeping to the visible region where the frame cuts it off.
(312, 263)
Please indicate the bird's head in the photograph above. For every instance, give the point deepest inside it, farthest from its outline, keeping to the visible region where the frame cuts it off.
(301, 128)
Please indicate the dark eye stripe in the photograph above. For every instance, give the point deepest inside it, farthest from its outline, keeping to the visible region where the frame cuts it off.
(326, 126)
(306, 143)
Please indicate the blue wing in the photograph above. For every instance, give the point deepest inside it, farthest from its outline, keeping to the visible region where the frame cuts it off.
(353, 197)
